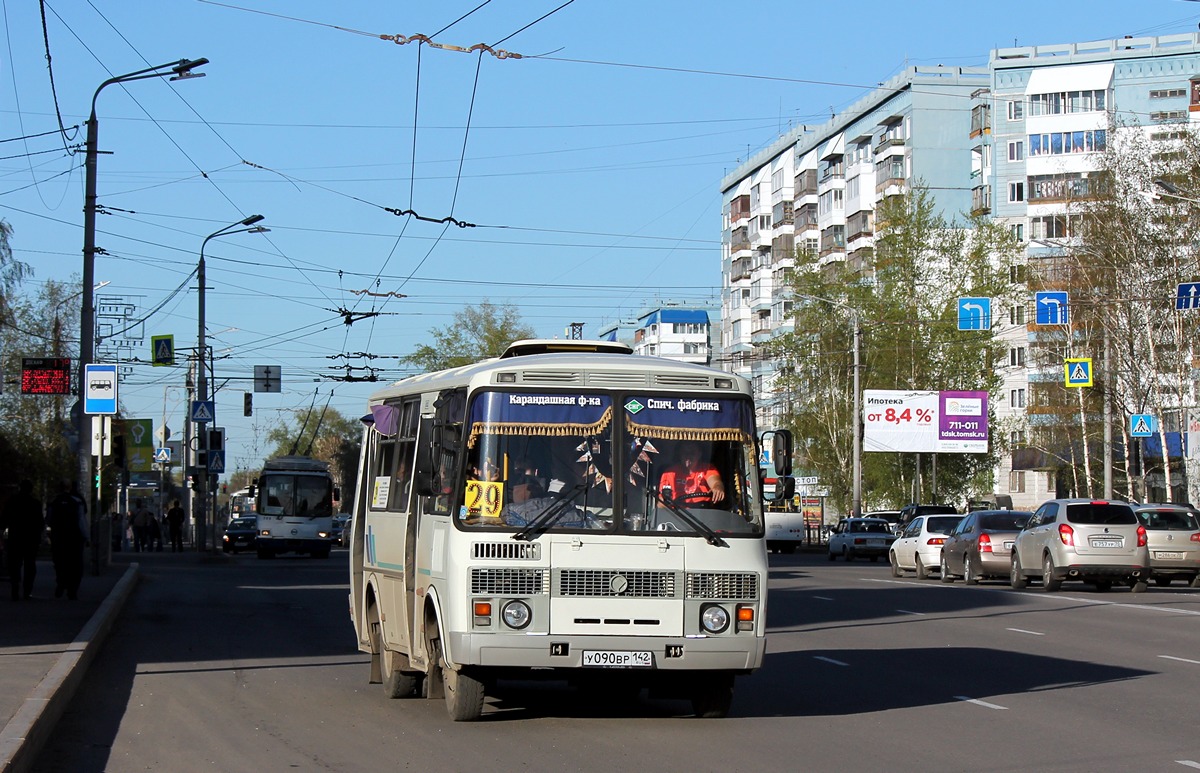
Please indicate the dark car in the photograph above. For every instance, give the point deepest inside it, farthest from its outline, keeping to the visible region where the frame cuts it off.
(908, 512)
(240, 534)
(980, 546)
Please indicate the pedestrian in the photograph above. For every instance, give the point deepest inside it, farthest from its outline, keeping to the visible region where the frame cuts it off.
(175, 517)
(67, 519)
(25, 522)
(143, 524)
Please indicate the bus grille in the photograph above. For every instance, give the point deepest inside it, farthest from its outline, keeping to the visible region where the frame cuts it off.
(614, 582)
(509, 551)
(551, 377)
(617, 379)
(509, 582)
(680, 380)
(720, 585)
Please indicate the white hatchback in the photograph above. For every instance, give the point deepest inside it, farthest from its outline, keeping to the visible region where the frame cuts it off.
(919, 546)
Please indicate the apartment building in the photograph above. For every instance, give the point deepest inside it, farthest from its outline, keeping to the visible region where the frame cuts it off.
(680, 332)
(1049, 114)
(1018, 141)
(815, 190)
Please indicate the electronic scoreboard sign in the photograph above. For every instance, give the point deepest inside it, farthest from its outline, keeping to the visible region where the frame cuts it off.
(45, 375)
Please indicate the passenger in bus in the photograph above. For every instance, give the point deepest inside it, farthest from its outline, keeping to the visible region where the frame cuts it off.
(692, 481)
(530, 500)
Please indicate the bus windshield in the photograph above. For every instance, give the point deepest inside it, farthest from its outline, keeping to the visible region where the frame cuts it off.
(631, 463)
(289, 494)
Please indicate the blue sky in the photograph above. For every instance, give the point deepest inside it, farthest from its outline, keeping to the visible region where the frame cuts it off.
(588, 168)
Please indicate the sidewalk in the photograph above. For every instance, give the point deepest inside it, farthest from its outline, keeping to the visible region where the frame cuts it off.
(46, 645)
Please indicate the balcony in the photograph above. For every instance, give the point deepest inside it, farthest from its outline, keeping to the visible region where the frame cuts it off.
(806, 183)
(739, 240)
(887, 143)
(981, 200)
(859, 225)
(892, 185)
(739, 208)
(741, 269)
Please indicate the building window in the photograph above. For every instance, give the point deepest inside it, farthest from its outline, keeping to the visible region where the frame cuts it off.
(1016, 150)
(1016, 191)
(1060, 143)
(777, 181)
(1016, 358)
(1016, 398)
(1167, 93)
(1016, 274)
(1016, 314)
(1017, 438)
(691, 348)
(1016, 481)
(1018, 231)
(1168, 115)
(1016, 109)
(1068, 102)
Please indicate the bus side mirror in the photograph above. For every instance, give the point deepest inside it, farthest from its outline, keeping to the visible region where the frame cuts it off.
(423, 464)
(785, 488)
(781, 452)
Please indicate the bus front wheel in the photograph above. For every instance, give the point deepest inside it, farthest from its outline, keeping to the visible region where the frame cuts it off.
(712, 695)
(463, 692)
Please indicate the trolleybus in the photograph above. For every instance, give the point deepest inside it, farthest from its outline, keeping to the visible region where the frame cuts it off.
(531, 516)
(294, 507)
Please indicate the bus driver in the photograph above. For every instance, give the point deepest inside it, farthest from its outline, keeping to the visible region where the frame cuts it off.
(691, 481)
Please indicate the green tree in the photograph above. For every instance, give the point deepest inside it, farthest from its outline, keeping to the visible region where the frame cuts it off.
(905, 295)
(478, 332)
(327, 435)
(12, 272)
(35, 428)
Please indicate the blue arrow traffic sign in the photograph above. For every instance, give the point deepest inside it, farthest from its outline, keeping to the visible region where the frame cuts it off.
(974, 313)
(1141, 425)
(1187, 296)
(1050, 307)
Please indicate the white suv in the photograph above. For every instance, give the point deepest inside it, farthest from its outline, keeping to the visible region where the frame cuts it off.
(1096, 541)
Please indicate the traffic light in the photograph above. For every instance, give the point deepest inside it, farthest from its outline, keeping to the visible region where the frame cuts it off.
(118, 451)
(216, 439)
(248, 404)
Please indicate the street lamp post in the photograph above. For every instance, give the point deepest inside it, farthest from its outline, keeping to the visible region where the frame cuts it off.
(87, 324)
(246, 225)
(856, 473)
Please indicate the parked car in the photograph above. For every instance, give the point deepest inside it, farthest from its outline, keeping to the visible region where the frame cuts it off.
(240, 534)
(1173, 533)
(344, 537)
(919, 546)
(860, 537)
(979, 547)
(1096, 541)
(908, 512)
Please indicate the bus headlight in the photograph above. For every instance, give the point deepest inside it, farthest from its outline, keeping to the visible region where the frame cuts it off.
(516, 614)
(714, 618)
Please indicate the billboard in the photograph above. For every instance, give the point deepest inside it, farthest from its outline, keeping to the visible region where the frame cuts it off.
(954, 422)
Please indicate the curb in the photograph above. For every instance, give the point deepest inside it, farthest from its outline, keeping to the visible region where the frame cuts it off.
(22, 738)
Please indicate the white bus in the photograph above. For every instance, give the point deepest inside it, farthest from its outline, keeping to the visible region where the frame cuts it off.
(294, 507)
(527, 517)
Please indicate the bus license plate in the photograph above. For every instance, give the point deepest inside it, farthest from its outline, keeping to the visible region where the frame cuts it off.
(616, 659)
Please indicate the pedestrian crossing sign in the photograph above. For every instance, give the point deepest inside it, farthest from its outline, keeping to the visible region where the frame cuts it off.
(1078, 371)
(162, 350)
(1141, 425)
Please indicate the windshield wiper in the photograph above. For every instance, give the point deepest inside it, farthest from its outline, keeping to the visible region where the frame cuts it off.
(552, 513)
(690, 518)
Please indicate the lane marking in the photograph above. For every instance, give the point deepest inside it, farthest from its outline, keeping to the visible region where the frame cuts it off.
(823, 598)
(909, 612)
(1036, 594)
(829, 660)
(1181, 660)
(1189, 763)
(1022, 630)
(985, 704)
